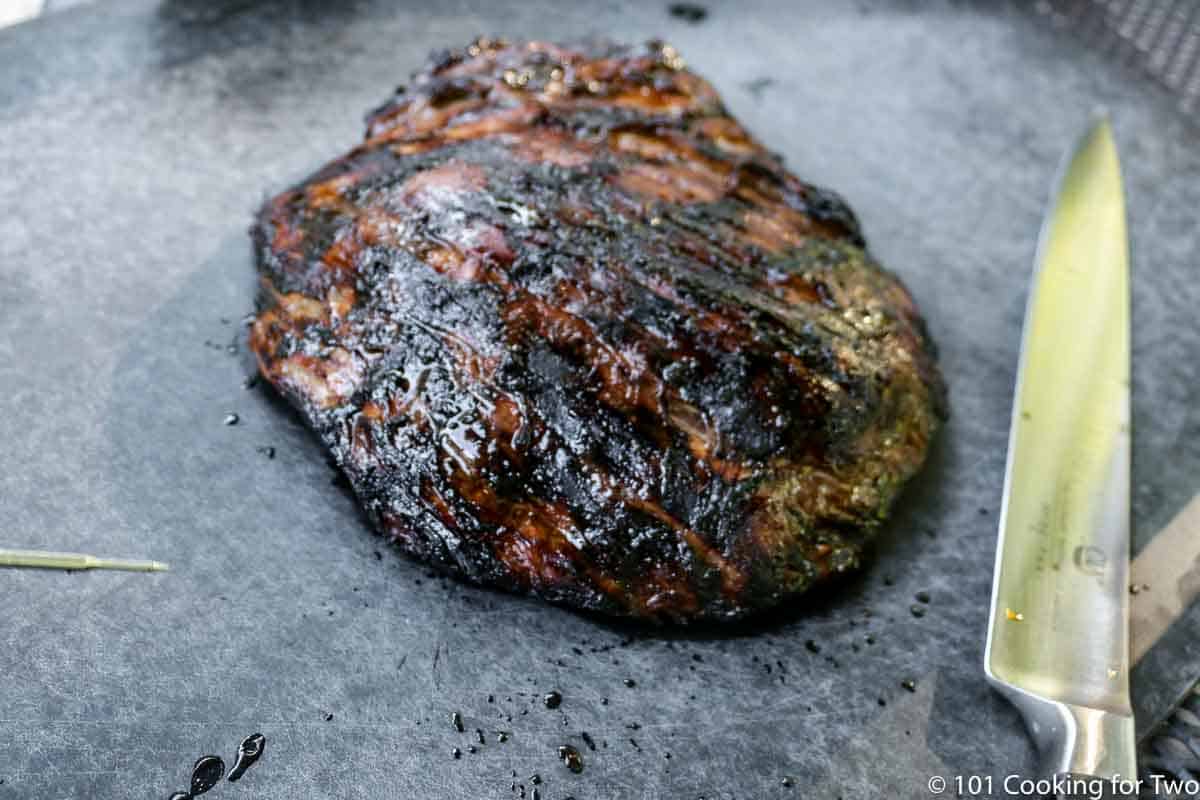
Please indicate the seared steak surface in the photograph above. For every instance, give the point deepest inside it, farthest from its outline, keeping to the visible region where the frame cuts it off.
(569, 330)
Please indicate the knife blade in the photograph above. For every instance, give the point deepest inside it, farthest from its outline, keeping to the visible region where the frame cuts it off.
(1058, 633)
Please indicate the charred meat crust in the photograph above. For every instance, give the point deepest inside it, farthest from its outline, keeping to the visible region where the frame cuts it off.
(570, 331)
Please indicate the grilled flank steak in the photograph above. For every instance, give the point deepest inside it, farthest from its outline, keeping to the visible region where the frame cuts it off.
(570, 331)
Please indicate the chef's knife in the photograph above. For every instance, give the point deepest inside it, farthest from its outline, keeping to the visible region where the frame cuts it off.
(1058, 635)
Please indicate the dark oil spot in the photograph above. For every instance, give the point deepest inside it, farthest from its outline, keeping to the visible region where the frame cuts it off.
(206, 774)
(571, 757)
(688, 12)
(812, 646)
(249, 751)
(922, 597)
(756, 87)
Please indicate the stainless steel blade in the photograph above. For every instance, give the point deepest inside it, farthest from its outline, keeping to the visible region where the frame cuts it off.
(1058, 635)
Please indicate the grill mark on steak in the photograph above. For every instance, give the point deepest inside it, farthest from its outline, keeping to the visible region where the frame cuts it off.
(569, 330)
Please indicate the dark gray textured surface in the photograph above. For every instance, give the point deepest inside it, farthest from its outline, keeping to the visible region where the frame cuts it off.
(136, 140)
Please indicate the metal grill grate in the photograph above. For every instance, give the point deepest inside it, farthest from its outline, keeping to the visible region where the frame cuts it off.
(1172, 748)
(1159, 37)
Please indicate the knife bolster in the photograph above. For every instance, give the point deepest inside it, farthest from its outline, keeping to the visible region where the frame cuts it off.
(1077, 740)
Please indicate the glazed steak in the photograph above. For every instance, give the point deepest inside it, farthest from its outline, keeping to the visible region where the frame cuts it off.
(569, 330)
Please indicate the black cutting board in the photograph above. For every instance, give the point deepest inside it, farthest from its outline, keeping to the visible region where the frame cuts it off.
(137, 139)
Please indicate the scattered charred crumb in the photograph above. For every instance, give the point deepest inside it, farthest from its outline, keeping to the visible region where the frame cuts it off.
(231, 419)
(909, 684)
(329, 714)
(917, 610)
(266, 450)
(571, 758)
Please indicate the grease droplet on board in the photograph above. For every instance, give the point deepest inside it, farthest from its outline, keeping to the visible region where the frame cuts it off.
(206, 774)
(249, 751)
